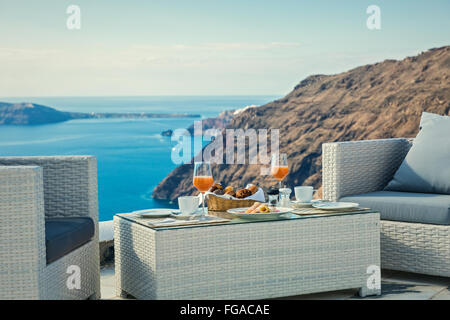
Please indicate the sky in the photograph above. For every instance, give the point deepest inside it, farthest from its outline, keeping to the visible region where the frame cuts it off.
(202, 47)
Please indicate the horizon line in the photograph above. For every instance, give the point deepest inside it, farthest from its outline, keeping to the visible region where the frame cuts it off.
(136, 96)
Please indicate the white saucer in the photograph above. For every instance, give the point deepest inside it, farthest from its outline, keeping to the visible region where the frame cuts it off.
(336, 205)
(304, 204)
(153, 213)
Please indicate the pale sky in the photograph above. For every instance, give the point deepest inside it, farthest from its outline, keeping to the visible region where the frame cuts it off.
(202, 47)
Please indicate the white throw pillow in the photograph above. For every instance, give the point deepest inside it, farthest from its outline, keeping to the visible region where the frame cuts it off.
(426, 167)
(428, 119)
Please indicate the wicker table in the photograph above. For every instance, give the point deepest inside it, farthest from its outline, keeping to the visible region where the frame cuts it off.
(246, 259)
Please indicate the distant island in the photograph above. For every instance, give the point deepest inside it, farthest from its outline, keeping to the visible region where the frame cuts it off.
(35, 114)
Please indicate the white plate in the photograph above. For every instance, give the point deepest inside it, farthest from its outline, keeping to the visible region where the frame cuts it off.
(299, 204)
(336, 205)
(153, 213)
(240, 212)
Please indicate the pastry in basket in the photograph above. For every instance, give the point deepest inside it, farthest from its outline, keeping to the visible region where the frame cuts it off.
(231, 193)
(216, 186)
(243, 193)
(253, 188)
(229, 189)
(219, 192)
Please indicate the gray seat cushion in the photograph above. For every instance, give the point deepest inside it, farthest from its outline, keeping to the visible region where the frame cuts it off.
(426, 167)
(63, 235)
(405, 206)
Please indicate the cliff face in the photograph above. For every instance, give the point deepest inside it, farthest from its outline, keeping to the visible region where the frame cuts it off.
(381, 100)
(220, 122)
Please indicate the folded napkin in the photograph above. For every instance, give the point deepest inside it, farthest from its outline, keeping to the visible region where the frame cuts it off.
(170, 222)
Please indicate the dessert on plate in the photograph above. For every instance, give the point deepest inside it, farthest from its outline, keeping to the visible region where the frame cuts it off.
(258, 207)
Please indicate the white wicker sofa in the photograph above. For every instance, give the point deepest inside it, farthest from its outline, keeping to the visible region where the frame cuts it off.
(350, 169)
(32, 191)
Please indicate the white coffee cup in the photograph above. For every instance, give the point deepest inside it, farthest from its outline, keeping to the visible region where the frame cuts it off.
(188, 204)
(304, 193)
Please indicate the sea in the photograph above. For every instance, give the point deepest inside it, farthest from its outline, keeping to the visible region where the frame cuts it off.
(132, 156)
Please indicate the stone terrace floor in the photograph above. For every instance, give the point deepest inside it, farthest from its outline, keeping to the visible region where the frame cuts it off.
(395, 286)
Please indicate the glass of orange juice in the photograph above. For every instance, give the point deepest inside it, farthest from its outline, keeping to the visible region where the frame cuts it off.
(279, 168)
(203, 180)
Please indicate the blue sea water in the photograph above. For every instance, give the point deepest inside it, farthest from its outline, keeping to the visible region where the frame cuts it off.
(132, 156)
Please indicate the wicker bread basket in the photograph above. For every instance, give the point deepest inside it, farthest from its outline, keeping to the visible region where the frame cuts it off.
(220, 204)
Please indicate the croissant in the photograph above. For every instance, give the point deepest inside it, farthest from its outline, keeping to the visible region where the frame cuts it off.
(253, 207)
(253, 188)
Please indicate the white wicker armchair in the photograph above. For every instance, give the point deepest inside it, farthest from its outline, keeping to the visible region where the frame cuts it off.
(356, 167)
(32, 188)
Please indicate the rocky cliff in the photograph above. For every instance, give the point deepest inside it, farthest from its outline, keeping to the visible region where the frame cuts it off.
(219, 122)
(381, 100)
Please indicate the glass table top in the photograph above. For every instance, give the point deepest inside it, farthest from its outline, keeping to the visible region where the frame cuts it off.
(224, 218)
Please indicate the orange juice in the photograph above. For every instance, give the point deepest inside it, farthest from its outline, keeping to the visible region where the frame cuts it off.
(203, 183)
(280, 172)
